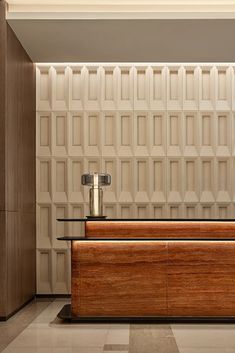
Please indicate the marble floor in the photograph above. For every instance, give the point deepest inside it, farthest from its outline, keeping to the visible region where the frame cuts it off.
(36, 329)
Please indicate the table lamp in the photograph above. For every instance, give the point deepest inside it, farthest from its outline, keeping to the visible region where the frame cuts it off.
(96, 180)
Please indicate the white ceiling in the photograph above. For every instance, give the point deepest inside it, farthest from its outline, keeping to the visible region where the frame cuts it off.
(125, 30)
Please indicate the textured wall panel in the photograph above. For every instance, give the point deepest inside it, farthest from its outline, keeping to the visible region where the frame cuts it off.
(164, 132)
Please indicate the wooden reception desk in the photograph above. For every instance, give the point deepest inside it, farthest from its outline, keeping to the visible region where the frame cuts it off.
(152, 269)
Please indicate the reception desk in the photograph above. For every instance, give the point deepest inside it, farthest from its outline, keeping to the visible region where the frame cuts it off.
(152, 269)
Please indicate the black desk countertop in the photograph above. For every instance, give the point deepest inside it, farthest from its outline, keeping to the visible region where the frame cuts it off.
(90, 219)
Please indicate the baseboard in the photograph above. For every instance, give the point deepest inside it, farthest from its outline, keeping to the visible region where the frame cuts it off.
(5, 318)
(51, 296)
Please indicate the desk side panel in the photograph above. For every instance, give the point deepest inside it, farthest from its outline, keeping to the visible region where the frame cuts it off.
(201, 278)
(119, 278)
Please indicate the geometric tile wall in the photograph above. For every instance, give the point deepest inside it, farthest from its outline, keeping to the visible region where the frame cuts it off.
(166, 134)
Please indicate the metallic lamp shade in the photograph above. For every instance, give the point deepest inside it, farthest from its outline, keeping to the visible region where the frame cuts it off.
(91, 179)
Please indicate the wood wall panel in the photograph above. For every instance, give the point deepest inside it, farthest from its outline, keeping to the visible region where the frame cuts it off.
(18, 239)
(106, 279)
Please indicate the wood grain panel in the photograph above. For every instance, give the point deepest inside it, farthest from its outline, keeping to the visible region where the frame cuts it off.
(145, 229)
(119, 278)
(217, 229)
(17, 172)
(161, 229)
(201, 278)
(2, 101)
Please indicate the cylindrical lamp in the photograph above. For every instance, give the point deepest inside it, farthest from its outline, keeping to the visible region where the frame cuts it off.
(96, 180)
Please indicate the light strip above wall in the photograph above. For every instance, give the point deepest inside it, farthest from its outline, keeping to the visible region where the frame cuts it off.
(94, 9)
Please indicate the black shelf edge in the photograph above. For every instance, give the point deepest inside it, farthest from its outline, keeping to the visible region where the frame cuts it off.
(143, 239)
(65, 315)
(143, 220)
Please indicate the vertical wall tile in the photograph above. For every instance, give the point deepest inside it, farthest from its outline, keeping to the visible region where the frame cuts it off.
(44, 180)
(60, 179)
(109, 77)
(159, 211)
(191, 211)
(142, 211)
(75, 170)
(125, 133)
(142, 179)
(76, 133)
(158, 180)
(207, 211)
(60, 85)
(224, 181)
(191, 181)
(77, 211)
(60, 271)
(174, 134)
(174, 211)
(190, 87)
(207, 134)
(191, 134)
(223, 133)
(207, 168)
(44, 226)
(174, 88)
(60, 229)
(44, 131)
(44, 271)
(44, 88)
(125, 87)
(76, 91)
(158, 133)
(126, 210)
(141, 133)
(206, 88)
(223, 88)
(92, 88)
(109, 166)
(110, 210)
(92, 132)
(157, 89)
(174, 180)
(126, 180)
(109, 133)
(60, 134)
(141, 88)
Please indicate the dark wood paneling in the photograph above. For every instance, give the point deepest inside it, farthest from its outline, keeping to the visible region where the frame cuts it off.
(2, 102)
(3, 279)
(201, 278)
(161, 229)
(119, 279)
(17, 172)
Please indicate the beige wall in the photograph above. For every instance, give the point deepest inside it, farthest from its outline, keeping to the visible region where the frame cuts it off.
(164, 132)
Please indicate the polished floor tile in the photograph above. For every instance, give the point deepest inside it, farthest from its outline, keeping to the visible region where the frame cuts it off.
(152, 338)
(16, 324)
(36, 329)
(205, 336)
(118, 334)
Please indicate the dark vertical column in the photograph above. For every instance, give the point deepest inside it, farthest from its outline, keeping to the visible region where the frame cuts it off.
(3, 292)
(17, 183)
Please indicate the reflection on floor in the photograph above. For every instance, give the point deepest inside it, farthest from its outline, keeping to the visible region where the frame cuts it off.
(37, 330)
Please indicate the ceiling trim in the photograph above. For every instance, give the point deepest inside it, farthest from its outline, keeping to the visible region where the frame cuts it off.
(92, 9)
